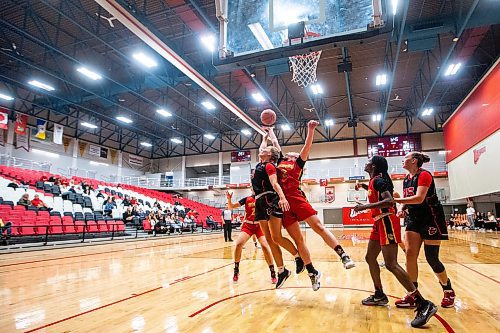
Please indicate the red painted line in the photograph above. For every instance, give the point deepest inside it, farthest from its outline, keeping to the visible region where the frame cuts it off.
(486, 276)
(123, 300)
(445, 324)
(90, 254)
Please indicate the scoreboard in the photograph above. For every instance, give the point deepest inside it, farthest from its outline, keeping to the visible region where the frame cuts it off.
(396, 145)
(240, 156)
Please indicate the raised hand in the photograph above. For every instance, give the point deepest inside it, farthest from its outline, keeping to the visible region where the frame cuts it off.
(312, 124)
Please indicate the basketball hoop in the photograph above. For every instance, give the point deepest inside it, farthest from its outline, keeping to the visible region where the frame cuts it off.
(304, 68)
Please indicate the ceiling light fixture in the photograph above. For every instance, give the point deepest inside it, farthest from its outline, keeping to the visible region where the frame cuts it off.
(329, 122)
(88, 73)
(246, 132)
(381, 80)
(124, 119)
(377, 117)
(209, 136)
(6, 97)
(316, 89)
(285, 127)
(145, 60)
(146, 144)
(175, 140)
(208, 105)
(209, 42)
(258, 97)
(88, 125)
(164, 113)
(427, 112)
(41, 85)
(452, 69)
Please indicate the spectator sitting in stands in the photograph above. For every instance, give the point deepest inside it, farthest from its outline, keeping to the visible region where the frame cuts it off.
(44, 178)
(211, 222)
(141, 213)
(38, 203)
(133, 201)
(451, 222)
(128, 215)
(189, 224)
(109, 206)
(5, 228)
(126, 201)
(491, 222)
(24, 200)
(176, 223)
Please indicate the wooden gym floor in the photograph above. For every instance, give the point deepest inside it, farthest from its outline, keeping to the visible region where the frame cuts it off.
(185, 284)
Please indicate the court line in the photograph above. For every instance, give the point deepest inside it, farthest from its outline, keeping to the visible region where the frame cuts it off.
(486, 276)
(443, 322)
(91, 254)
(125, 299)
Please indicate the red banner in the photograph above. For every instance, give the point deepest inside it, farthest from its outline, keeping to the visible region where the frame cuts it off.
(440, 173)
(309, 181)
(336, 180)
(244, 184)
(21, 123)
(231, 185)
(398, 176)
(4, 118)
(323, 182)
(350, 217)
(329, 194)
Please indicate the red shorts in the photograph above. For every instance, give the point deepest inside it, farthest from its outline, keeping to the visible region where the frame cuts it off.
(300, 210)
(252, 229)
(387, 230)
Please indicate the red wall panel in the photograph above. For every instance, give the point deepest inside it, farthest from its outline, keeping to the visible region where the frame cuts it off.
(476, 118)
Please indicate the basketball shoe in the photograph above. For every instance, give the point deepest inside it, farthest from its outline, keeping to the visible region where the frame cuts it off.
(274, 280)
(282, 278)
(236, 275)
(448, 299)
(315, 280)
(424, 312)
(299, 265)
(374, 300)
(348, 262)
(406, 302)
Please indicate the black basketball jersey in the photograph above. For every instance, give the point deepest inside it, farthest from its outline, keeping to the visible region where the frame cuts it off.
(431, 201)
(260, 177)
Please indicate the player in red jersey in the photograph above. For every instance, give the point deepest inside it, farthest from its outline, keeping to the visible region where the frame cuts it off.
(385, 236)
(426, 224)
(291, 169)
(249, 228)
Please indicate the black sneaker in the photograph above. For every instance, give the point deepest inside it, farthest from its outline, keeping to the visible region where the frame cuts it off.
(299, 265)
(424, 313)
(315, 280)
(373, 300)
(282, 278)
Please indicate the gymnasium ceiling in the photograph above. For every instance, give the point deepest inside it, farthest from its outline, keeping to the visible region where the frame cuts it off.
(49, 39)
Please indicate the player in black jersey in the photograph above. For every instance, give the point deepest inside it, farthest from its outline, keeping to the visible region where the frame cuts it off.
(424, 216)
(270, 202)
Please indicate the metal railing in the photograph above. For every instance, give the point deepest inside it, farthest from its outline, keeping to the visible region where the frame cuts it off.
(23, 163)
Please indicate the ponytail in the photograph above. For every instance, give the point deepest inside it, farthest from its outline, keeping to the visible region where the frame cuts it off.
(421, 158)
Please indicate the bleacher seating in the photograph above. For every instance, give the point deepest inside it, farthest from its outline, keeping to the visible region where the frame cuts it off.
(73, 213)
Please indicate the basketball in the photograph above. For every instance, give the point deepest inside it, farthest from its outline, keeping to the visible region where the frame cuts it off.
(268, 117)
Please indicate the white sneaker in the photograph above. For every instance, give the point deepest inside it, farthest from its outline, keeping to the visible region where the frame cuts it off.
(348, 262)
(315, 280)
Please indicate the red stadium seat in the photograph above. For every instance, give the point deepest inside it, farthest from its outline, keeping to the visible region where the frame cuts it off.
(102, 226)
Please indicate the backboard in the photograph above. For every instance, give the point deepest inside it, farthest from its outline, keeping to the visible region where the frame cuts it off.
(258, 25)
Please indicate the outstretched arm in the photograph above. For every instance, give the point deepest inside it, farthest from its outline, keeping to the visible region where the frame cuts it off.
(304, 153)
(230, 204)
(263, 144)
(274, 139)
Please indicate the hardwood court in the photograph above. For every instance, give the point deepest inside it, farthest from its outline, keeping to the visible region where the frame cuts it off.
(185, 285)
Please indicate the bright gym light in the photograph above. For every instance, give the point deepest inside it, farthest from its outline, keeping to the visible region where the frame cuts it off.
(175, 140)
(41, 85)
(209, 136)
(145, 60)
(88, 125)
(209, 41)
(377, 117)
(258, 97)
(146, 144)
(208, 105)
(6, 97)
(124, 119)
(394, 4)
(452, 69)
(88, 73)
(285, 127)
(246, 132)
(329, 122)
(164, 113)
(381, 80)
(316, 89)
(427, 112)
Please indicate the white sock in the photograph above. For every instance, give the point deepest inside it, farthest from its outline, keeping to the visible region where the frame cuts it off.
(281, 269)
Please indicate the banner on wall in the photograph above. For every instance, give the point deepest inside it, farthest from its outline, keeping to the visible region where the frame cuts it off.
(323, 182)
(98, 151)
(21, 124)
(350, 217)
(329, 194)
(58, 134)
(103, 153)
(2, 137)
(4, 119)
(23, 141)
(135, 160)
(66, 143)
(41, 128)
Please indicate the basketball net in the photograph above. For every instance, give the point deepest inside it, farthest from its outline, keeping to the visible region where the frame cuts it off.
(304, 68)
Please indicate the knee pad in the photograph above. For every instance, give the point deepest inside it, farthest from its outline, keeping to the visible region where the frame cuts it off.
(432, 256)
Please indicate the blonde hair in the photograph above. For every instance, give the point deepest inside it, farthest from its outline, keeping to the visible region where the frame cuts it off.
(275, 154)
(420, 157)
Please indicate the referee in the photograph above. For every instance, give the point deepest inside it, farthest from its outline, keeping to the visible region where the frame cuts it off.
(227, 217)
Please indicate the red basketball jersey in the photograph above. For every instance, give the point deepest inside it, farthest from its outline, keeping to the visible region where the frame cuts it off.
(378, 185)
(289, 176)
(249, 203)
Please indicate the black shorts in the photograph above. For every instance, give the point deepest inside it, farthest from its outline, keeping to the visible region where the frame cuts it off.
(429, 226)
(267, 206)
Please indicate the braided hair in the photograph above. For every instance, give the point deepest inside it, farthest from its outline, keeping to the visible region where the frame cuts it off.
(382, 168)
